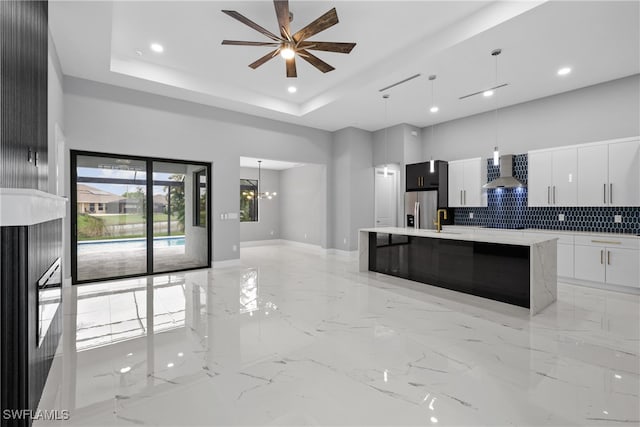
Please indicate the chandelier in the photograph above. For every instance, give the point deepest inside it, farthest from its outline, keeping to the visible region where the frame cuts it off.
(250, 195)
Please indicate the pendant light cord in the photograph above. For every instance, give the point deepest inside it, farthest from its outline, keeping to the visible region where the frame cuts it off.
(495, 100)
(386, 130)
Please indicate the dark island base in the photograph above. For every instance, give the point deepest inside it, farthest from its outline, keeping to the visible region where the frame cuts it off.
(491, 270)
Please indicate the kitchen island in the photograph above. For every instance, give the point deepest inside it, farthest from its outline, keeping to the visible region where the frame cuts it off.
(516, 270)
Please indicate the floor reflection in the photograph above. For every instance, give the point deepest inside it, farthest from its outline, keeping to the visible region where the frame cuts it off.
(293, 339)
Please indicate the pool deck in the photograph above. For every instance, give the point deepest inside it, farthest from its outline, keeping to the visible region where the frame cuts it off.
(118, 260)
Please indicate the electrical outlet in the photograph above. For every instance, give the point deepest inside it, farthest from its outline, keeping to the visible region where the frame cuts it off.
(305, 235)
(235, 248)
(344, 240)
(617, 219)
(471, 215)
(560, 217)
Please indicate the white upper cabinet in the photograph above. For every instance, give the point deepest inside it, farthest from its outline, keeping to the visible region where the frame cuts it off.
(553, 177)
(624, 174)
(456, 183)
(539, 181)
(466, 178)
(592, 175)
(608, 174)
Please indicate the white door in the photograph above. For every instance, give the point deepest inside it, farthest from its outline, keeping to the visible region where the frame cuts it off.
(624, 174)
(386, 198)
(593, 175)
(539, 181)
(456, 182)
(472, 195)
(590, 263)
(623, 267)
(565, 171)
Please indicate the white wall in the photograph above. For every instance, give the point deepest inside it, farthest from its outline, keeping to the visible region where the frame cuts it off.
(352, 186)
(111, 119)
(604, 111)
(303, 204)
(56, 158)
(268, 225)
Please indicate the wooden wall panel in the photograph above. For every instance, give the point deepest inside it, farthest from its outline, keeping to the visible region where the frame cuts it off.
(23, 104)
(27, 253)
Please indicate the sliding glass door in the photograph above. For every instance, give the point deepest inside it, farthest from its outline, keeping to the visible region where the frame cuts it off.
(134, 216)
(180, 235)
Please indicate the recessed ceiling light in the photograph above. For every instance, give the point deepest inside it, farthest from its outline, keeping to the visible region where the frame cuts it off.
(157, 47)
(564, 71)
(434, 109)
(292, 89)
(170, 365)
(488, 93)
(125, 369)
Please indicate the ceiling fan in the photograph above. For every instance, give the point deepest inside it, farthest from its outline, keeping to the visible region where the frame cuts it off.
(289, 45)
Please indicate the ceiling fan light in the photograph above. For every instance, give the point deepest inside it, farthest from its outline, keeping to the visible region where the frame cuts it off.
(488, 93)
(434, 109)
(287, 52)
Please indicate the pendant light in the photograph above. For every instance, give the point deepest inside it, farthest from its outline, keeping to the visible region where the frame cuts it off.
(260, 195)
(434, 109)
(496, 152)
(386, 133)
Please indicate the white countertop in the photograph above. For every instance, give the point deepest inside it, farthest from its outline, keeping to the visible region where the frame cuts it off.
(504, 238)
(541, 230)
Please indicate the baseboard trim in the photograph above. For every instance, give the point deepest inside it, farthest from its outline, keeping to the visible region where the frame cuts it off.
(254, 243)
(226, 263)
(599, 285)
(342, 252)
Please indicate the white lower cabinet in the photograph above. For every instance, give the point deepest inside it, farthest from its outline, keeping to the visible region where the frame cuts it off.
(610, 260)
(623, 267)
(565, 259)
(589, 263)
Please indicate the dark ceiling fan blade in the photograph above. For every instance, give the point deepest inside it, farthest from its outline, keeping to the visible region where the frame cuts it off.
(242, 43)
(264, 59)
(327, 20)
(291, 67)
(282, 13)
(315, 61)
(327, 46)
(250, 23)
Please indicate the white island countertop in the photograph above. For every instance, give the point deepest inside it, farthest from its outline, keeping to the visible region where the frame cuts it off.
(503, 239)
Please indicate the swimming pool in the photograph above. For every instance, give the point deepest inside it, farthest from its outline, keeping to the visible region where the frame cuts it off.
(128, 244)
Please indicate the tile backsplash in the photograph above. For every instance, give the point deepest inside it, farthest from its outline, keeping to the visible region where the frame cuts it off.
(507, 208)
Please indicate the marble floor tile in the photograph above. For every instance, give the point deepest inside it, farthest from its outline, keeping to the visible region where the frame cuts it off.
(291, 337)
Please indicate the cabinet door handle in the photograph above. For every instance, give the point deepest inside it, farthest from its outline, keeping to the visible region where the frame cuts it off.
(601, 256)
(464, 193)
(609, 257)
(554, 194)
(604, 193)
(548, 195)
(460, 197)
(418, 179)
(611, 193)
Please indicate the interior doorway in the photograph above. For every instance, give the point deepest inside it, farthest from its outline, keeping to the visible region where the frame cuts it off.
(134, 216)
(386, 198)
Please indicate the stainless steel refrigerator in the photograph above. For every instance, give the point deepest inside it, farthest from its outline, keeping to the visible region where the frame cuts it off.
(420, 209)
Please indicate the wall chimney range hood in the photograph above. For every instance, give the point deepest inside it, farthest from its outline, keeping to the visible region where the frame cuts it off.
(506, 179)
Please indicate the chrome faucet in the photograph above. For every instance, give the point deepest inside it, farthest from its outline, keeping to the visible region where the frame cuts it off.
(437, 222)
